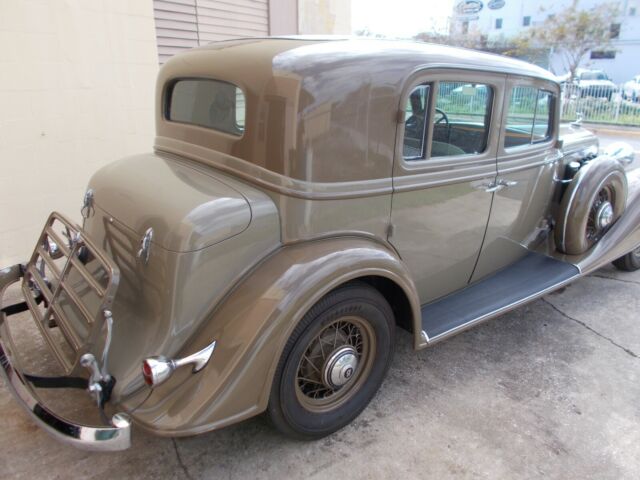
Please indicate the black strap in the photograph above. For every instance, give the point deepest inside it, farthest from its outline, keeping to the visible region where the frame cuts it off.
(57, 382)
(17, 308)
(20, 307)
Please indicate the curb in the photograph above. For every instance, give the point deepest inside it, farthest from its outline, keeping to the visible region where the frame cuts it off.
(622, 130)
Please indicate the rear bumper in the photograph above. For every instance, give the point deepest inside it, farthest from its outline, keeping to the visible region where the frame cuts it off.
(113, 437)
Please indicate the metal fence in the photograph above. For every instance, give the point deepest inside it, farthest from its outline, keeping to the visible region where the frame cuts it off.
(607, 104)
(618, 105)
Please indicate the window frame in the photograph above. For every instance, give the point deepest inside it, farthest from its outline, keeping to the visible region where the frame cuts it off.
(552, 131)
(167, 92)
(433, 75)
(425, 128)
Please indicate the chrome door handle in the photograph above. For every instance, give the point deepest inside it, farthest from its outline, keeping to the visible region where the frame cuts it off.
(497, 186)
(494, 187)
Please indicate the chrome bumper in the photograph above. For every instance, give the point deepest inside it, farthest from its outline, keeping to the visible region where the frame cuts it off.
(114, 437)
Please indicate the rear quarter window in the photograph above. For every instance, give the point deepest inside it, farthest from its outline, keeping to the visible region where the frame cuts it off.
(207, 103)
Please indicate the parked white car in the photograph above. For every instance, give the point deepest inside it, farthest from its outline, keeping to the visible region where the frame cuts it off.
(631, 89)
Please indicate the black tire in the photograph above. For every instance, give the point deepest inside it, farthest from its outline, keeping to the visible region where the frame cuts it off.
(287, 409)
(629, 262)
(602, 180)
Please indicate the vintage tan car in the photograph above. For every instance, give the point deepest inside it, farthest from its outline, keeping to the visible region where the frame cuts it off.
(304, 198)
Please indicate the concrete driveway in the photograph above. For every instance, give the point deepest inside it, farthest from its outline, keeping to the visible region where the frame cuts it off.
(549, 390)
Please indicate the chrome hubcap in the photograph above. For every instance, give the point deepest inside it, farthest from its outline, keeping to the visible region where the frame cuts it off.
(335, 364)
(340, 367)
(604, 215)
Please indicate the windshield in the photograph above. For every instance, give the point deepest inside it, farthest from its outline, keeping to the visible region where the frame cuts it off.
(593, 76)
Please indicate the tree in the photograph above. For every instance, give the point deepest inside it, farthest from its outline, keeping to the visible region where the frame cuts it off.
(471, 39)
(572, 33)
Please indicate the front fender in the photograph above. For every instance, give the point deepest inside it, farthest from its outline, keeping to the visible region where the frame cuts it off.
(251, 327)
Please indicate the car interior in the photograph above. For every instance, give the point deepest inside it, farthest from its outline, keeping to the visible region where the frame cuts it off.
(462, 116)
(460, 122)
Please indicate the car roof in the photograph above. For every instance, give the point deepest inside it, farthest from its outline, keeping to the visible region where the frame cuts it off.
(304, 50)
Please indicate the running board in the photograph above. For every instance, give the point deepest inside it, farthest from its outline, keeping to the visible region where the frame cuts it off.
(527, 279)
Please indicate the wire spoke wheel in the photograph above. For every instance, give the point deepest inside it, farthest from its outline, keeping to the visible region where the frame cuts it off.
(601, 214)
(335, 364)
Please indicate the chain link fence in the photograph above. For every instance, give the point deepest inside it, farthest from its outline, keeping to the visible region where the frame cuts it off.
(609, 104)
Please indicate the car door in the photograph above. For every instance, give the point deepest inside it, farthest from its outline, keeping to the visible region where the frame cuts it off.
(444, 173)
(527, 163)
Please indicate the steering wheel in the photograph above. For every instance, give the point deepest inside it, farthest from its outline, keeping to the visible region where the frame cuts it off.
(413, 126)
(443, 117)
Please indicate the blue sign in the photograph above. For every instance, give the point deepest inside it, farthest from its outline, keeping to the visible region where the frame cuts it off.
(495, 4)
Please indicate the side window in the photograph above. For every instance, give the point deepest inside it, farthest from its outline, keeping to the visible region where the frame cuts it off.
(542, 121)
(461, 119)
(414, 122)
(528, 117)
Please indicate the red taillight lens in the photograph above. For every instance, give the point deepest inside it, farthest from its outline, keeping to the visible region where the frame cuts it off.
(147, 374)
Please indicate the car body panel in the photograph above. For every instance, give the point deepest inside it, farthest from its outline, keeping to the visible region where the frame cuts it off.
(440, 206)
(218, 210)
(252, 230)
(520, 211)
(161, 303)
(252, 325)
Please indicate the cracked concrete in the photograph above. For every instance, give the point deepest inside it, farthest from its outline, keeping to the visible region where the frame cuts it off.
(626, 350)
(549, 390)
(184, 468)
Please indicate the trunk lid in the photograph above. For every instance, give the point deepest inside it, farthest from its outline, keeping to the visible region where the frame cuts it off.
(188, 207)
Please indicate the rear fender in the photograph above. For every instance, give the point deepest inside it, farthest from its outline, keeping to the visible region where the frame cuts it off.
(251, 327)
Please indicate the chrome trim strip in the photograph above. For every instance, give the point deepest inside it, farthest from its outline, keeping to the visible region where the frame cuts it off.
(114, 437)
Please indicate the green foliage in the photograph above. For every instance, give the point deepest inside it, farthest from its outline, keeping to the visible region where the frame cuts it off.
(572, 32)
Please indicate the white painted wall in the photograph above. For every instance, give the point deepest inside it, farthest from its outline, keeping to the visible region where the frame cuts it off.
(77, 81)
(324, 17)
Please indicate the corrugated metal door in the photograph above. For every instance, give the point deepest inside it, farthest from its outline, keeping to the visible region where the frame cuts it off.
(176, 26)
(182, 24)
(219, 20)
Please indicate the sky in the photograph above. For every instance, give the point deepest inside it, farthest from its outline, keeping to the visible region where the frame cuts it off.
(400, 18)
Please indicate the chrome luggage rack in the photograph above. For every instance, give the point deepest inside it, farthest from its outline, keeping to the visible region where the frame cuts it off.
(70, 283)
(68, 286)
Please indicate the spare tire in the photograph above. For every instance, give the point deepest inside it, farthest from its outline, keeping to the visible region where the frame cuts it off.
(592, 202)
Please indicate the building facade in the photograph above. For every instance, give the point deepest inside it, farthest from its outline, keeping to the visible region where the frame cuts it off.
(500, 20)
(182, 24)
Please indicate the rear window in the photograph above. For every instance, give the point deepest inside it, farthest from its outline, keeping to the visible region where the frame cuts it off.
(207, 103)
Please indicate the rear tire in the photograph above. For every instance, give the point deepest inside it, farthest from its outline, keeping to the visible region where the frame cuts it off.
(629, 262)
(333, 363)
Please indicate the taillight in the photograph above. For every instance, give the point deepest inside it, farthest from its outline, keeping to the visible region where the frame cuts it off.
(147, 374)
(157, 370)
